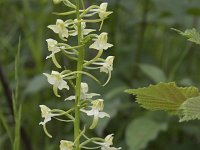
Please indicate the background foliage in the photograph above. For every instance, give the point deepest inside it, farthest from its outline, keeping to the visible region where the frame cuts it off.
(146, 49)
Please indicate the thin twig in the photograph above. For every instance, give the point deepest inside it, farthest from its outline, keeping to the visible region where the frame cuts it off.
(141, 37)
(8, 95)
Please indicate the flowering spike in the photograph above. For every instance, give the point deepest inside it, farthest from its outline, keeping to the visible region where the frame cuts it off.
(83, 100)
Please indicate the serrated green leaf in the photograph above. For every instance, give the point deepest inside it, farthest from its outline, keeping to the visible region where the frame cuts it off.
(192, 35)
(141, 131)
(163, 96)
(190, 109)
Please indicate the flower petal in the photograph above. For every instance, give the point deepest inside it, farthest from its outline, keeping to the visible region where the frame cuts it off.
(70, 98)
(55, 61)
(55, 28)
(55, 90)
(94, 122)
(103, 114)
(63, 85)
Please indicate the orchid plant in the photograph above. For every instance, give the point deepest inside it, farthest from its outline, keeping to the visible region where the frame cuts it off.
(84, 102)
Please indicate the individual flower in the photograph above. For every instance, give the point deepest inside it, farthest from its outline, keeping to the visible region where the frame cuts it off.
(66, 145)
(108, 142)
(84, 31)
(100, 43)
(53, 48)
(96, 111)
(106, 66)
(56, 79)
(84, 93)
(103, 13)
(60, 28)
(47, 115)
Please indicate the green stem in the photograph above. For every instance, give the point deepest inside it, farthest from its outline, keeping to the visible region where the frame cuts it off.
(82, 72)
(91, 21)
(179, 62)
(94, 59)
(78, 79)
(91, 140)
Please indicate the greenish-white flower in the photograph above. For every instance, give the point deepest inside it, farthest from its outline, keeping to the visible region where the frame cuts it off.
(84, 31)
(66, 145)
(107, 66)
(46, 114)
(53, 48)
(84, 93)
(96, 111)
(56, 79)
(107, 144)
(60, 28)
(103, 13)
(101, 42)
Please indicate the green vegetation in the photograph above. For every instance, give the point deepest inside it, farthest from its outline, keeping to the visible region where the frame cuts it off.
(147, 52)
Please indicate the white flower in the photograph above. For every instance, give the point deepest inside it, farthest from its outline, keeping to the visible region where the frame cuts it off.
(46, 114)
(84, 93)
(107, 66)
(56, 79)
(83, 30)
(103, 13)
(97, 107)
(101, 42)
(52, 47)
(108, 142)
(60, 28)
(66, 145)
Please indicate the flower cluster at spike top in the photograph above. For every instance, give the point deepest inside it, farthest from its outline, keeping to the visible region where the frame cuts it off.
(89, 103)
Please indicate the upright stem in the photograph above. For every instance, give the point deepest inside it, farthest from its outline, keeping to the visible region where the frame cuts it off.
(78, 79)
(141, 38)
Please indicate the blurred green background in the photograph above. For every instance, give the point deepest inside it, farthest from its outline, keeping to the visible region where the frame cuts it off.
(147, 51)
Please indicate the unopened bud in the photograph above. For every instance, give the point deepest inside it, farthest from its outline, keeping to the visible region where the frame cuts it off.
(57, 1)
